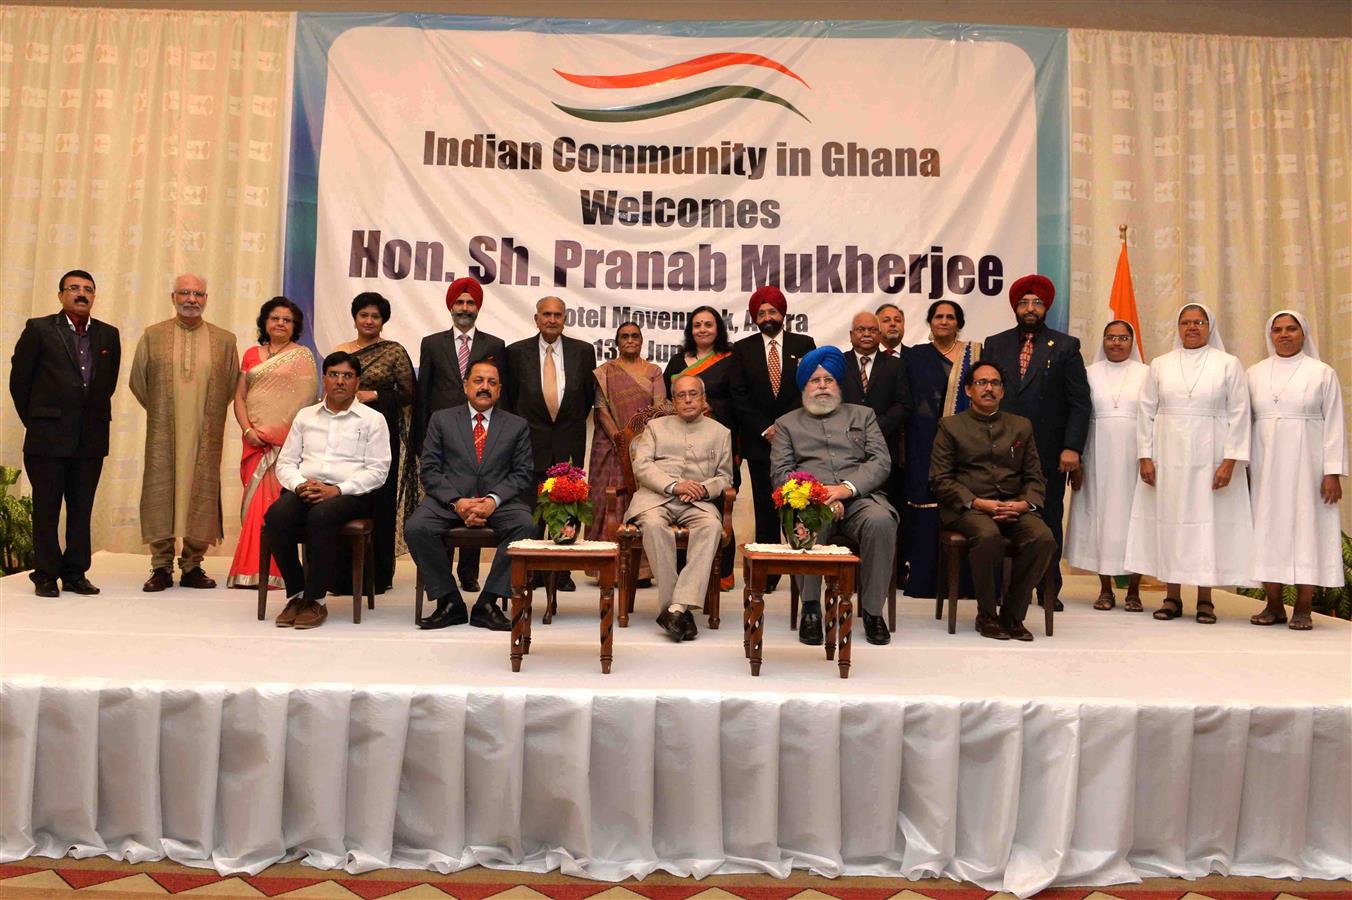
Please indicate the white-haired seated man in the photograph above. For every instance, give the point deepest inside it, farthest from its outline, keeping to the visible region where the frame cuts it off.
(842, 445)
(682, 463)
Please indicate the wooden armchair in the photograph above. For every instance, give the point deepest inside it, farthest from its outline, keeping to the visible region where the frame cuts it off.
(629, 536)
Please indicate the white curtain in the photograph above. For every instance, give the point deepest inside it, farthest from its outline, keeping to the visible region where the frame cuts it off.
(1228, 157)
(136, 145)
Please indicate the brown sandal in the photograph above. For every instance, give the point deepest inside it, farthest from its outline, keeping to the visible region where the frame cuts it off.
(1167, 612)
(1206, 612)
(1105, 601)
(1268, 617)
(1133, 603)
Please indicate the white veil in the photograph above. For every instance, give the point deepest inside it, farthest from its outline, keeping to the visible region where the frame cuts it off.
(1214, 338)
(1309, 349)
(1135, 356)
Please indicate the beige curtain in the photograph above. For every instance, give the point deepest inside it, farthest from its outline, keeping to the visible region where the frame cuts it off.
(1228, 158)
(137, 145)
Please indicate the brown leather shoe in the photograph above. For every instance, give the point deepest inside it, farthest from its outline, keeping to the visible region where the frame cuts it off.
(159, 580)
(287, 617)
(312, 615)
(196, 578)
(990, 628)
(1017, 631)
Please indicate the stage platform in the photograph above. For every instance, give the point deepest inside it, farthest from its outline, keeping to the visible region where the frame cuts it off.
(177, 725)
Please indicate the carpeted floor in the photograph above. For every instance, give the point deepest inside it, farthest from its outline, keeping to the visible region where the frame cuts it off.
(42, 878)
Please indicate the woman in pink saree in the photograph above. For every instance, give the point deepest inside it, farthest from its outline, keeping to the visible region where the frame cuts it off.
(277, 379)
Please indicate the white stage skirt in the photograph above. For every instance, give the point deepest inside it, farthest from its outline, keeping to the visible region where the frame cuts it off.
(606, 782)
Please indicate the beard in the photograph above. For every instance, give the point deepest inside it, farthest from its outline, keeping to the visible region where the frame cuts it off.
(464, 320)
(770, 327)
(821, 406)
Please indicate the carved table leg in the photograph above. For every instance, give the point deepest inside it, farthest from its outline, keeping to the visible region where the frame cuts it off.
(607, 615)
(831, 585)
(755, 619)
(846, 624)
(520, 614)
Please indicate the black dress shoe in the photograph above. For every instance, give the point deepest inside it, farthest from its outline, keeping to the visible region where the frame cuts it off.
(671, 623)
(565, 582)
(159, 580)
(875, 629)
(81, 585)
(990, 628)
(1060, 607)
(1017, 631)
(810, 629)
(469, 585)
(46, 587)
(450, 611)
(487, 615)
(688, 622)
(196, 578)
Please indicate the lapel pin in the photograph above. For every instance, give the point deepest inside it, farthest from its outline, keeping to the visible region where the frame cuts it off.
(1051, 343)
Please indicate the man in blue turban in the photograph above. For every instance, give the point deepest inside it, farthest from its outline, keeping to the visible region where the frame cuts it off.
(842, 445)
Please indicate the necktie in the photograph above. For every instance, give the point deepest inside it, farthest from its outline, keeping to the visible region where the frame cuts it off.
(464, 356)
(772, 364)
(480, 435)
(1025, 354)
(80, 326)
(550, 383)
(863, 372)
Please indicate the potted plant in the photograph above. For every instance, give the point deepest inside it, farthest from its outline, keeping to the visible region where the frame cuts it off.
(803, 510)
(562, 503)
(16, 525)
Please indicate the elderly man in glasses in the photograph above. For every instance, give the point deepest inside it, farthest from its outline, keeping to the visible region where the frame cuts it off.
(987, 475)
(184, 375)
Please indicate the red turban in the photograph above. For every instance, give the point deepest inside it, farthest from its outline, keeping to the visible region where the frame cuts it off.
(465, 286)
(771, 295)
(1040, 285)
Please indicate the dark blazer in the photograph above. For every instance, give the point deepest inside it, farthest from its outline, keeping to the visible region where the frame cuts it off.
(62, 416)
(755, 405)
(450, 469)
(984, 457)
(889, 393)
(1054, 395)
(439, 382)
(564, 438)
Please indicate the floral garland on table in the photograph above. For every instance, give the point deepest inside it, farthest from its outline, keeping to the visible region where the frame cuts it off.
(803, 508)
(562, 502)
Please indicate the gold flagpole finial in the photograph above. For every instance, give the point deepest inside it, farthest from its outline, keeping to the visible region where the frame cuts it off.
(1122, 233)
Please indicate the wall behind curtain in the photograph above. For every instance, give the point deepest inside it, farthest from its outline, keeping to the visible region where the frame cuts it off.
(138, 145)
(1228, 158)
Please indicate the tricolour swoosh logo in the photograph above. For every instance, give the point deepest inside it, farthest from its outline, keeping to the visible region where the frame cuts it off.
(637, 112)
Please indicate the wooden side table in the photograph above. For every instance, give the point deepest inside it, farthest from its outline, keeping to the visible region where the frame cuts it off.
(838, 574)
(544, 556)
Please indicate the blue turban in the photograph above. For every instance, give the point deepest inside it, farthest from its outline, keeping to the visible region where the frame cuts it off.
(828, 358)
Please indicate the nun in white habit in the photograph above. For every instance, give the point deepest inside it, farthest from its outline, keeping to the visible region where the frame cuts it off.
(1190, 516)
(1100, 507)
(1299, 451)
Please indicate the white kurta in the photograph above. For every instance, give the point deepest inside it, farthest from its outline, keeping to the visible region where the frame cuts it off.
(1100, 511)
(1194, 413)
(1298, 438)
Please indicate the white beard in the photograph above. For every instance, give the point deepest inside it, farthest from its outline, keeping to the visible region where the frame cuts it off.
(821, 406)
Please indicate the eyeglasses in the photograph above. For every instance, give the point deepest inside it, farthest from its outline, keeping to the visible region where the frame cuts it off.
(988, 382)
(342, 376)
(1117, 338)
(79, 289)
(687, 395)
(185, 294)
(1034, 303)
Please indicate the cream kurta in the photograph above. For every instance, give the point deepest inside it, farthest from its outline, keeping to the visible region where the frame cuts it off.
(1298, 438)
(1100, 511)
(1194, 413)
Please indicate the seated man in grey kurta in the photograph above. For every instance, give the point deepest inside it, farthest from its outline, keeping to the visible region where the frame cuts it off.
(682, 463)
(842, 445)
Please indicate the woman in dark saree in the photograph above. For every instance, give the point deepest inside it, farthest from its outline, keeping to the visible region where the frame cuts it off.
(935, 371)
(707, 353)
(386, 386)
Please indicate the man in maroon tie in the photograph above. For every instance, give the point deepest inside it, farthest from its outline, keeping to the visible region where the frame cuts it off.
(477, 470)
(443, 365)
(62, 380)
(1046, 384)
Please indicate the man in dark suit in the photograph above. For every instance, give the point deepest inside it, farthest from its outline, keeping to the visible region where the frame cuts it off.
(892, 322)
(443, 365)
(764, 381)
(1046, 384)
(62, 379)
(878, 381)
(550, 383)
(477, 470)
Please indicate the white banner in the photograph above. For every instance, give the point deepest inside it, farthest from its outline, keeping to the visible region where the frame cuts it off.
(638, 176)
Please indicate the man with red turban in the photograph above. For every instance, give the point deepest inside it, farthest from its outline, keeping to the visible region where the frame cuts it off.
(1045, 382)
(764, 382)
(443, 364)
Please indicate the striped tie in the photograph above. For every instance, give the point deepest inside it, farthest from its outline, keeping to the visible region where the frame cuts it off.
(464, 356)
(863, 373)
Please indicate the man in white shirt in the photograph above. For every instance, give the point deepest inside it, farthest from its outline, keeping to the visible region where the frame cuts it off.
(336, 456)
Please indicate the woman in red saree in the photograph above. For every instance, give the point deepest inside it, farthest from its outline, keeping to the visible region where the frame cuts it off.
(277, 379)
